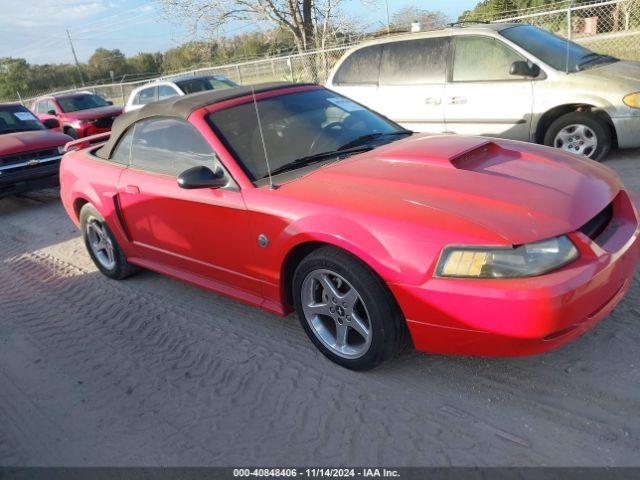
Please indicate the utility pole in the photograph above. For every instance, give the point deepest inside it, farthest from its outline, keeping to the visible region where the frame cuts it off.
(75, 58)
(386, 6)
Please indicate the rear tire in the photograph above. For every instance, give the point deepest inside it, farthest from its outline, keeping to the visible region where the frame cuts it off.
(582, 133)
(102, 246)
(346, 310)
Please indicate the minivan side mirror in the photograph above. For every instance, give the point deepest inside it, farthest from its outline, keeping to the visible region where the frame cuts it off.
(202, 177)
(51, 123)
(523, 69)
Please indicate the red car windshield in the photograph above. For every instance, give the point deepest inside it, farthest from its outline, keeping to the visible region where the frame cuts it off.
(16, 118)
(298, 126)
(81, 102)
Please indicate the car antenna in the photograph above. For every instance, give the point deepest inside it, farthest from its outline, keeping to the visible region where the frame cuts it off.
(264, 145)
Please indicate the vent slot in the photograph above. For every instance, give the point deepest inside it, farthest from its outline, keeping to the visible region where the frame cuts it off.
(598, 224)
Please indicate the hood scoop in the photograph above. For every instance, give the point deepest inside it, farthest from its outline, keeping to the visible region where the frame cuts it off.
(440, 151)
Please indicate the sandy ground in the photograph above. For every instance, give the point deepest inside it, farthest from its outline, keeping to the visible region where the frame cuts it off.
(151, 371)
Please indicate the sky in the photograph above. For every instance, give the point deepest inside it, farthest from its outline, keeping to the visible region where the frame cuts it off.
(36, 29)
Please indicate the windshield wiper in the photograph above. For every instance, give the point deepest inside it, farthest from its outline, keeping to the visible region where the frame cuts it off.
(593, 58)
(318, 157)
(372, 136)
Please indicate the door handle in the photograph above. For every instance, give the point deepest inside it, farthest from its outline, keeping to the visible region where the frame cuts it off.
(457, 100)
(132, 189)
(433, 101)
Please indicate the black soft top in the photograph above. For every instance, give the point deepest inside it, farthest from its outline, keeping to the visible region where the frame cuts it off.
(182, 107)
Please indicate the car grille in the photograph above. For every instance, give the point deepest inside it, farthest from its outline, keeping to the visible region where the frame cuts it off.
(104, 122)
(594, 227)
(19, 161)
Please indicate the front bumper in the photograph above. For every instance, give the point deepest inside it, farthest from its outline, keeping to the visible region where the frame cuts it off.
(530, 315)
(627, 131)
(30, 179)
(90, 129)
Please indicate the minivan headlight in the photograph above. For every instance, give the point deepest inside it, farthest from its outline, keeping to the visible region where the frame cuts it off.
(507, 262)
(632, 100)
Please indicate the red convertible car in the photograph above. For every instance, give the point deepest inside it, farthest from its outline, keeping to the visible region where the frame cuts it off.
(292, 196)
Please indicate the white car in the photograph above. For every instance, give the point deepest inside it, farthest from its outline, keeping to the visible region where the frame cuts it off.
(500, 80)
(161, 89)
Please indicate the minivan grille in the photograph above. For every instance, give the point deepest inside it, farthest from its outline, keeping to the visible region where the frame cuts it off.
(594, 227)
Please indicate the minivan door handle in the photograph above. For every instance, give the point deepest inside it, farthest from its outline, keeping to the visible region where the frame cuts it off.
(132, 189)
(433, 100)
(457, 100)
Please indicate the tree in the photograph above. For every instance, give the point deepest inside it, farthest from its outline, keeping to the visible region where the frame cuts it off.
(144, 63)
(429, 20)
(309, 21)
(14, 77)
(104, 61)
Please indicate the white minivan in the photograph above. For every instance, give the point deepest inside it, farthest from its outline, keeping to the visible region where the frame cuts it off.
(504, 80)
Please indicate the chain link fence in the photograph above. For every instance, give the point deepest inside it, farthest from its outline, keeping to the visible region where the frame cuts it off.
(607, 27)
(307, 67)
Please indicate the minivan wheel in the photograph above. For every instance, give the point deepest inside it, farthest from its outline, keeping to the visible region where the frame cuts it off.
(102, 245)
(346, 309)
(582, 133)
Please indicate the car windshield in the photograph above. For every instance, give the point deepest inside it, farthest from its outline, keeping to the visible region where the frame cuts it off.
(300, 128)
(200, 84)
(16, 118)
(555, 51)
(81, 102)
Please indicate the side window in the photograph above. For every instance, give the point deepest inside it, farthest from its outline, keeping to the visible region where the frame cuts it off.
(123, 149)
(146, 95)
(482, 59)
(50, 106)
(169, 145)
(414, 62)
(165, 91)
(361, 67)
(38, 107)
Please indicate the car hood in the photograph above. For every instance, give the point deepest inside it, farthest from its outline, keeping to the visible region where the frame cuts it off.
(19, 142)
(93, 113)
(520, 192)
(622, 70)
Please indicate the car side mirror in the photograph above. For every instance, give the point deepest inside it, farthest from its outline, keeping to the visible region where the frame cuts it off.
(202, 177)
(51, 123)
(523, 69)
(109, 102)
(51, 112)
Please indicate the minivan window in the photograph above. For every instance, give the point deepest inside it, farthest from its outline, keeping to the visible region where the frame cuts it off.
(556, 52)
(414, 62)
(361, 67)
(480, 59)
(169, 145)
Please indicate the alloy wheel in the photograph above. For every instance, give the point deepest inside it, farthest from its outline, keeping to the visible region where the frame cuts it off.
(101, 244)
(577, 138)
(336, 313)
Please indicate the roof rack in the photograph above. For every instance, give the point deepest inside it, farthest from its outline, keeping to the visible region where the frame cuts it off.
(465, 22)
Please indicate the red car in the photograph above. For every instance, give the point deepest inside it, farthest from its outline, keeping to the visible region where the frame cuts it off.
(79, 114)
(292, 196)
(29, 153)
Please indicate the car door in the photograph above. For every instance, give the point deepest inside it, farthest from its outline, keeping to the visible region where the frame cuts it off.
(357, 76)
(200, 232)
(411, 84)
(483, 98)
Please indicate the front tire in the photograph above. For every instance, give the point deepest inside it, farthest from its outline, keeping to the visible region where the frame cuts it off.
(582, 133)
(72, 132)
(102, 246)
(346, 310)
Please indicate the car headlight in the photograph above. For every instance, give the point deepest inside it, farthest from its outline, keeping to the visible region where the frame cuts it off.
(632, 100)
(507, 262)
